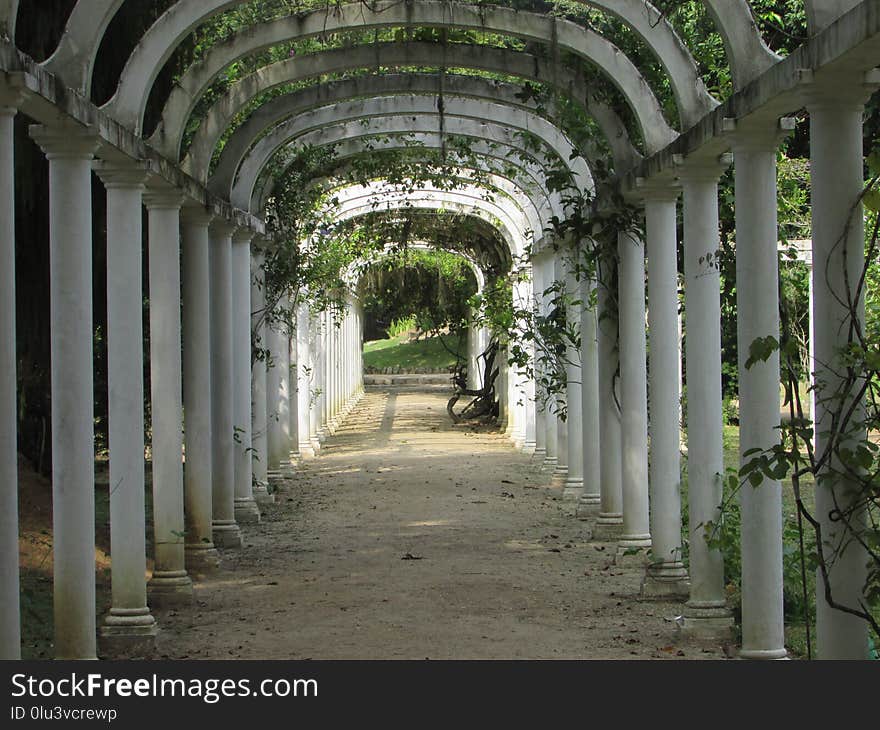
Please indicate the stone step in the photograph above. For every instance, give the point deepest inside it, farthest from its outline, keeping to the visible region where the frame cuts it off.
(409, 379)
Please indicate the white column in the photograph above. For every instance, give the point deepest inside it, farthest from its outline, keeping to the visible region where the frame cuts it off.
(259, 419)
(591, 456)
(706, 611)
(610, 518)
(10, 626)
(551, 420)
(246, 510)
(170, 582)
(200, 552)
(129, 626)
(302, 374)
(836, 107)
(226, 531)
(757, 285)
(292, 442)
(540, 411)
(276, 395)
(665, 574)
(474, 379)
(69, 150)
(314, 382)
(574, 484)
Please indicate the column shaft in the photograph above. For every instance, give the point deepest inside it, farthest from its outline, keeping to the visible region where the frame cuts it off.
(170, 582)
(633, 393)
(259, 419)
(70, 151)
(757, 286)
(574, 484)
(591, 456)
(129, 621)
(836, 167)
(201, 554)
(666, 573)
(707, 606)
(225, 529)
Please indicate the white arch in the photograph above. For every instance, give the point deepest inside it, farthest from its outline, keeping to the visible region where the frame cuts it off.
(645, 20)
(257, 159)
(822, 13)
(160, 41)
(168, 136)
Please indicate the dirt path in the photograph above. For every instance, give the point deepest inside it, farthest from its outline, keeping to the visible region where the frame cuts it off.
(409, 538)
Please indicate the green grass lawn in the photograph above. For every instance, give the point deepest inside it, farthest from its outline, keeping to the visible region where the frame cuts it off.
(399, 352)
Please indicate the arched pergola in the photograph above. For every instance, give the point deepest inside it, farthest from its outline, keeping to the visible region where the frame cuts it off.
(226, 139)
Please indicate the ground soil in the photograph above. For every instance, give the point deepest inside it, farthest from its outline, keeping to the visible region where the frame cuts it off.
(411, 538)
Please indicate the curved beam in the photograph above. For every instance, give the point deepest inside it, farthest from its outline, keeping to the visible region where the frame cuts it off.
(284, 107)
(74, 59)
(822, 13)
(222, 114)
(746, 51)
(405, 114)
(8, 18)
(389, 251)
(160, 41)
(347, 131)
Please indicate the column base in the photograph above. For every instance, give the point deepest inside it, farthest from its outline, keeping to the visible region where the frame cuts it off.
(172, 588)
(128, 634)
(586, 510)
(574, 487)
(201, 558)
(306, 451)
(540, 454)
(608, 528)
(632, 555)
(550, 463)
(262, 495)
(668, 580)
(226, 534)
(528, 448)
(707, 623)
(246, 511)
(316, 445)
(764, 654)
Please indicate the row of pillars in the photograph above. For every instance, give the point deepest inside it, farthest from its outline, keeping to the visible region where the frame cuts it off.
(624, 469)
(213, 417)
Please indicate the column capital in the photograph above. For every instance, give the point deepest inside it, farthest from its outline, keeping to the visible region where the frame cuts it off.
(694, 169)
(162, 198)
(755, 136)
(243, 235)
(222, 228)
(131, 174)
(656, 189)
(837, 90)
(196, 214)
(66, 141)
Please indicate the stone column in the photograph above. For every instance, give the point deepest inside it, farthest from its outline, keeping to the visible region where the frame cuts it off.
(633, 394)
(276, 395)
(246, 510)
(10, 626)
(706, 611)
(292, 444)
(757, 286)
(665, 575)
(259, 419)
(836, 107)
(226, 531)
(200, 552)
(591, 457)
(70, 150)
(610, 520)
(314, 382)
(574, 484)
(170, 583)
(540, 410)
(302, 373)
(129, 628)
(551, 462)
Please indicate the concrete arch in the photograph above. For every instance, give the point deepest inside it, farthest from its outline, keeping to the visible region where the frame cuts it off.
(403, 114)
(511, 202)
(157, 45)
(359, 201)
(197, 79)
(401, 123)
(351, 274)
(274, 111)
(747, 53)
(526, 177)
(822, 13)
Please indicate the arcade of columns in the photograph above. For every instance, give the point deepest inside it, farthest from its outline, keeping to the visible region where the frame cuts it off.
(247, 419)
